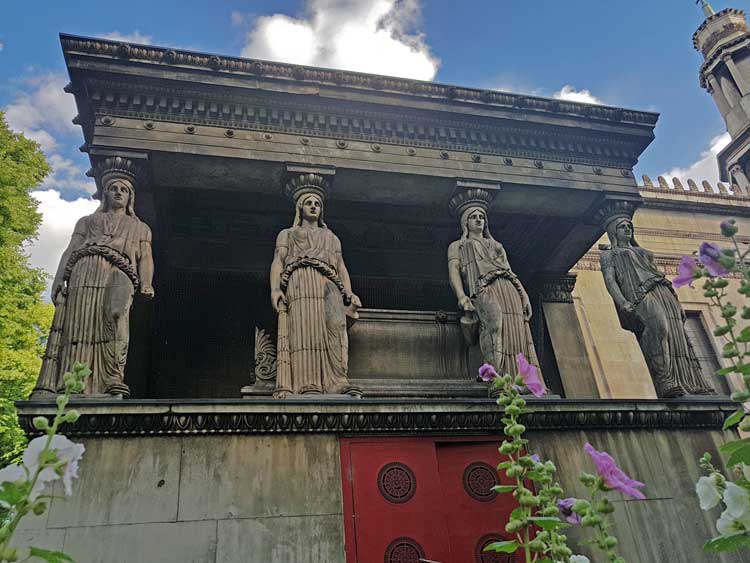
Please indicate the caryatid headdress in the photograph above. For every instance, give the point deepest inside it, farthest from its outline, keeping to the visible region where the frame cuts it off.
(614, 212)
(465, 202)
(302, 186)
(111, 168)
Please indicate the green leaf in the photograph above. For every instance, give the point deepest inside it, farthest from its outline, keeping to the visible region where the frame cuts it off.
(725, 371)
(731, 542)
(733, 419)
(50, 556)
(503, 546)
(504, 465)
(737, 450)
(504, 488)
(547, 522)
(744, 335)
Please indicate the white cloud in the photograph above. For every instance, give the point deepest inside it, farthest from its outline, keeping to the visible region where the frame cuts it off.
(2, 45)
(58, 220)
(569, 93)
(705, 168)
(43, 111)
(67, 175)
(363, 35)
(134, 37)
(238, 18)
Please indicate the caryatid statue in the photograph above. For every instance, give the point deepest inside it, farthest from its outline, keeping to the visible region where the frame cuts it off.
(488, 292)
(107, 262)
(312, 293)
(647, 306)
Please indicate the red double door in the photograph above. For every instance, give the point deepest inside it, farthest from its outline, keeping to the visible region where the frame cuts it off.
(408, 500)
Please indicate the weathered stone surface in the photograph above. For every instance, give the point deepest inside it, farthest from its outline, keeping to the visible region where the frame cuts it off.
(122, 482)
(312, 539)
(669, 525)
(249, 476)
(178, 542)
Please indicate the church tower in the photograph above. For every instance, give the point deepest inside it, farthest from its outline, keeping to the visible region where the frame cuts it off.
(724, 42)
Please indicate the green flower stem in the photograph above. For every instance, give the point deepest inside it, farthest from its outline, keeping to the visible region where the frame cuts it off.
(600, 522)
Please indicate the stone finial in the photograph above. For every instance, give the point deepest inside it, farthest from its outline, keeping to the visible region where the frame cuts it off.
(304, 184)
(692, 186)
(677, 184)
(113, 167)
(707, 187)
(647, 182)
(722, 188)
(736, 191)
(663, 183)
(470, 197)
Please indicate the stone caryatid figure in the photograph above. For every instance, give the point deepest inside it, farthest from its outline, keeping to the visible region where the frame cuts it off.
(648, 306)
(311, 292)
(488, 292)
(106, 263)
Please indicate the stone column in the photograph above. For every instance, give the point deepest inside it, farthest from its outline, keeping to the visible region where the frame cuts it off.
(735, 73)
(718, 95)
(559, 338)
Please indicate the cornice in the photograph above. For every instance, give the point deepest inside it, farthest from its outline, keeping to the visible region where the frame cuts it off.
(274, 113)
(720, 204)
(370, 416)
(75, 45)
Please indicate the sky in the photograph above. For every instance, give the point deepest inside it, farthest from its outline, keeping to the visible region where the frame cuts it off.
(636, 54)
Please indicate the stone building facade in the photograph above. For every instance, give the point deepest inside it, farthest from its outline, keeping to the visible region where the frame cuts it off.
(202, 464)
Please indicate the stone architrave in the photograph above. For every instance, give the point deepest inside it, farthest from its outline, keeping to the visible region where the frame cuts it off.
(107, 262)
(312, 294)
(496, 309)
(647, 305)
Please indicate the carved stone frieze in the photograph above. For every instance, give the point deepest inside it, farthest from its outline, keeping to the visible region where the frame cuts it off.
(89, 46)
(367, 416)
(387, 125)
(265, 356)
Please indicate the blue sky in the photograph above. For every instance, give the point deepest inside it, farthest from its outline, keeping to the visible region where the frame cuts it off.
(635, 54)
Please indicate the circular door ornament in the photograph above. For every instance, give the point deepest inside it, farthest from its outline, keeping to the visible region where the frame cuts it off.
(481, 556)
(397, 482)
(403, 550)
(479, 478)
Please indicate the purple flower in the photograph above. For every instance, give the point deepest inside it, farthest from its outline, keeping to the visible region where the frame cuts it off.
(685, 272)
(487, 373)
(530, 376)
(535, 458)
(565, 506)
(709, 254)
(614, 477)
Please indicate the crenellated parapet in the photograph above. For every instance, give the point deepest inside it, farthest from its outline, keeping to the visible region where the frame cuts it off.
(694, 196)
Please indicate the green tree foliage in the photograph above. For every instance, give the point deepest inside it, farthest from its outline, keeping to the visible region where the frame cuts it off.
(24, 317)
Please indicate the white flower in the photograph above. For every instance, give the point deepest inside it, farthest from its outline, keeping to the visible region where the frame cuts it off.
(736, 517)
(737, 500)
(709, 493)
(579, 559)
(68, 454)
(11, 474)
(746, 471)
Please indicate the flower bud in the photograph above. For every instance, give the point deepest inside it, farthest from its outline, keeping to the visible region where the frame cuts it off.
(744, 424)
(506, 448)
(72, 416)
(512, 410)
(519, 402)
(610, 542)
(537, 545)
(61, 401)
(40, 423)
(513, 526)
(39, 508)
(514, 471)
(504, 400)
(729, 227)
(516, 430)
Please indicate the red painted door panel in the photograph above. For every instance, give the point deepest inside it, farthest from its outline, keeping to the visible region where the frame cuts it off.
(431, 498)
(396, 496)
(475, 514)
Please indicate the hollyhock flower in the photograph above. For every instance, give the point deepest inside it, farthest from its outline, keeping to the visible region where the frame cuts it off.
(530, 376)
(709, 254)
(487, 373)
(67, 456)
(685, 272)
(535, 458)
(736, 517)
(579, 559)
(11, 474)
(565, 506)
(709, 493)
(614, 477)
